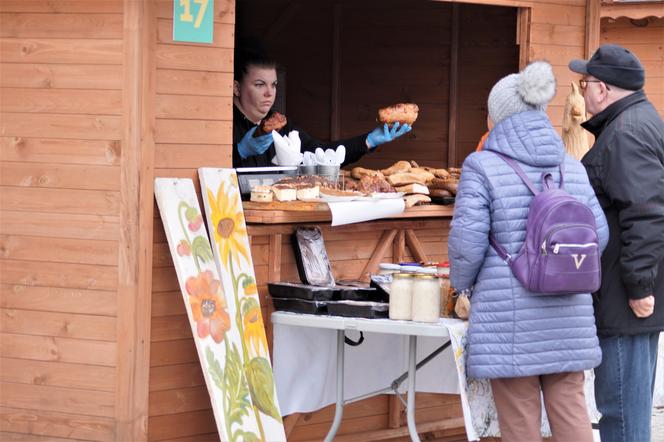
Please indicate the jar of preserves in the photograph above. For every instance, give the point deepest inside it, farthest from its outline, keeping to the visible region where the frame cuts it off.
(401, 296)
(426, 298)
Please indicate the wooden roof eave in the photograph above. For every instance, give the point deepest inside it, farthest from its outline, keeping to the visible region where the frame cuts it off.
(632, 10)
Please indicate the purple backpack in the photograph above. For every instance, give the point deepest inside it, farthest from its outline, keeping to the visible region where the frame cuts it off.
(560, 254)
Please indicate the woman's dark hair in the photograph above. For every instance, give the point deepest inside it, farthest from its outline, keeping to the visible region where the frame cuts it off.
(249, 52)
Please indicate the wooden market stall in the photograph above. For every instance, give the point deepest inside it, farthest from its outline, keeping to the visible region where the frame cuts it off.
(96, 100)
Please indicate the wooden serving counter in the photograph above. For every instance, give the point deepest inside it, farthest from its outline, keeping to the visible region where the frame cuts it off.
(355, 250)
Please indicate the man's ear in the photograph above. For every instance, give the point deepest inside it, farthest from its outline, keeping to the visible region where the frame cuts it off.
(236, 88)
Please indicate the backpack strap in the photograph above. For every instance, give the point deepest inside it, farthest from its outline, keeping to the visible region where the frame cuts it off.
(513, 164)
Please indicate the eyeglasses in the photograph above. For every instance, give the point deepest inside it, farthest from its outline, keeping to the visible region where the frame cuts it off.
(584, 83)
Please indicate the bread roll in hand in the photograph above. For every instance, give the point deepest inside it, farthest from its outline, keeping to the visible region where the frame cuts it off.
(404, 113)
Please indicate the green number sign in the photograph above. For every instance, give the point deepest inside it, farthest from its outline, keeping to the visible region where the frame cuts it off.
(193, 20)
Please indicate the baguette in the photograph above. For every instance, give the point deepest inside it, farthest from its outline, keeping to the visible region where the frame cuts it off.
(415, 199)
(413, 188)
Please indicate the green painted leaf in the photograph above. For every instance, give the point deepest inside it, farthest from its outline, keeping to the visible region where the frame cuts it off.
(245, 436)
(248, 303)
(200, 247)
(214, 369)
(261, 386)
(190, 213)
(236, 386)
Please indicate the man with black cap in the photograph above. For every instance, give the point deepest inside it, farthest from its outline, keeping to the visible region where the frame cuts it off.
(626, 169)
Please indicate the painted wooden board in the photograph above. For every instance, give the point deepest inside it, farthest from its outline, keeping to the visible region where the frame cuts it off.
(218, 338)
(228, 232)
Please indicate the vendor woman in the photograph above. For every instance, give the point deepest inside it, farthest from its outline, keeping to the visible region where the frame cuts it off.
(254, 92)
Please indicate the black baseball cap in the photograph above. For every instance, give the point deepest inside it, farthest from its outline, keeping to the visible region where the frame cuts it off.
(614, 65)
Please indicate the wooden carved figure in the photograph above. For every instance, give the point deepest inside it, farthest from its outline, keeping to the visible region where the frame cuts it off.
(575, 137)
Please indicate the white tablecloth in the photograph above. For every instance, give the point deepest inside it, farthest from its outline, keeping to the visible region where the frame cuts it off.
(304, 362)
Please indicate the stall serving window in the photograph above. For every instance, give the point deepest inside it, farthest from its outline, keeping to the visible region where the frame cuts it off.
(346, 59)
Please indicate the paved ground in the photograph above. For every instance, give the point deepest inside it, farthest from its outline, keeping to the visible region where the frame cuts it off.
(658, 425)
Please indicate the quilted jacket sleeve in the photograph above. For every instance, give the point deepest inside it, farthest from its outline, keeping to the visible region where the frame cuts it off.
(469, 235)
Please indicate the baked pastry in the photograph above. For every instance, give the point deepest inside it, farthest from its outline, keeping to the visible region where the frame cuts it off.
(261, 194)
(404, 113)
(305, 193)
(440, 193)
(336, 192)
(413, 188)
(274, 121)
(398, 167)
(359, 172)
(416, 199)
(400, 179)
(284, 192)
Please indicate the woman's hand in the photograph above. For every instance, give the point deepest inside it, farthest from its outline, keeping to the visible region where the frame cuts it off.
(385, 134)
(250, 145)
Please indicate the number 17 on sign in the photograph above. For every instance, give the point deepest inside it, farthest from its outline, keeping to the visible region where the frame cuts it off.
(193, 20)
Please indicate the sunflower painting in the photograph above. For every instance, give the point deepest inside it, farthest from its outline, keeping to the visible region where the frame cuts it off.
(220, 344)
(230, 246)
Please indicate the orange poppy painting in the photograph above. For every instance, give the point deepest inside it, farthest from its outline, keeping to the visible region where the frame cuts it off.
(232, 253)
(210, 306)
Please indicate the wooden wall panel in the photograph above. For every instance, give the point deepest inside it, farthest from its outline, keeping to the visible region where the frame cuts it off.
(61, 123)
(646, 43)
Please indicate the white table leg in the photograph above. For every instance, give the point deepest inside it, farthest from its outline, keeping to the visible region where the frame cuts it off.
(339, 410)
(410, 409)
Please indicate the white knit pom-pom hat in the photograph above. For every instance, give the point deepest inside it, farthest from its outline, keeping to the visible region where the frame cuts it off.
(530, 89)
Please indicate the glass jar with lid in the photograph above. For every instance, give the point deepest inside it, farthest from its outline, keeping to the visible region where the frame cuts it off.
(425, 298)
(401, 296)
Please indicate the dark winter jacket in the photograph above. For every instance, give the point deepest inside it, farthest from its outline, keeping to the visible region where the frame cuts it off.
(626, 168)
(355, 147)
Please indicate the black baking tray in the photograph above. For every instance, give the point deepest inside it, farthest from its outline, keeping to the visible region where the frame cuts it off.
(348, 293)
(444, 200)
(313, 265)
(302, 291)
(300, 306)
(358, 309)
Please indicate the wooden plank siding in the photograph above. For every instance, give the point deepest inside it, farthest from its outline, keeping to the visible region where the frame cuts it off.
(646, 42)
(60, 148)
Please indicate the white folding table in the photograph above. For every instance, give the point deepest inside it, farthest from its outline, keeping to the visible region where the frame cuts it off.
(341, 324)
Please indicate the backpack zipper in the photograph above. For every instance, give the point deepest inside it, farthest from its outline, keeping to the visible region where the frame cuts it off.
(557, 247)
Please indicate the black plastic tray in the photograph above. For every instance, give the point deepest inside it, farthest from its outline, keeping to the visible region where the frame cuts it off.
(300, 306)
(347, 293)
(358, 309)
(301, 291)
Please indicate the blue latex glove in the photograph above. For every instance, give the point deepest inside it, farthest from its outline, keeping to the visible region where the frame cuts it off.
(250, 145)
(381, 135)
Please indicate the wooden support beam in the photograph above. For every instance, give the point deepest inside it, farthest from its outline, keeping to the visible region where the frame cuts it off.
(136, 220)
(415, 246)
(523, 35)
(290, 422)
(593, 19)
(383, 244)
(399, 247)
(454, 88)
(391, 433)
(394, 411)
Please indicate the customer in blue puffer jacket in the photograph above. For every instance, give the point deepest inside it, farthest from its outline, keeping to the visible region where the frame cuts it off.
(527, 344)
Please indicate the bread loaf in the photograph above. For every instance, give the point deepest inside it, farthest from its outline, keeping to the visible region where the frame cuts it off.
(398, 167)
(274, 121)
(415, 199)
(413, 188)
(439, 193)
(359, 172)
(400, 179)
(404, 113)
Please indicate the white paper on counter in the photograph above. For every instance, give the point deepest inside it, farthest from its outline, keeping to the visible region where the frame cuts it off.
(358, 211)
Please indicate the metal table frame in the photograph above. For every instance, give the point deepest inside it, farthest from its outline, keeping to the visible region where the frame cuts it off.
(407, 328)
